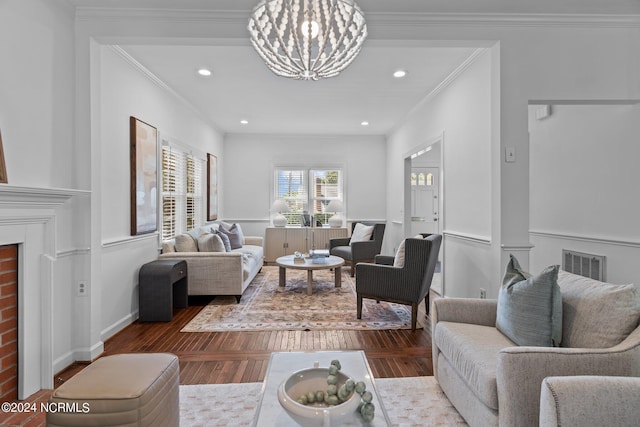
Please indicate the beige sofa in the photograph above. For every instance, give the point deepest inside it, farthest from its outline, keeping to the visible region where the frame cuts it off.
(584, 401)
(219, 273)
(491, 381)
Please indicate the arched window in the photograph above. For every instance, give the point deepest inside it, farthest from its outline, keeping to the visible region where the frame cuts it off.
(429, 179)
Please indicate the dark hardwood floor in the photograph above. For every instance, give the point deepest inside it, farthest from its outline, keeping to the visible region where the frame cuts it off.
(232, 357)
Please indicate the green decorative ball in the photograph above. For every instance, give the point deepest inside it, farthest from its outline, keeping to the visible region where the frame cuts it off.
(319, 396)
(367, 411)
(302, 399)
(332, 390)
(332, 379)
(333, 400)
(360, 387)
(350, 384)
(311, 397)
(337, 364)
(367, 397)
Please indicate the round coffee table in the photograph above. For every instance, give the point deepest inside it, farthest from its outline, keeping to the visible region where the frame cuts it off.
(323, 263)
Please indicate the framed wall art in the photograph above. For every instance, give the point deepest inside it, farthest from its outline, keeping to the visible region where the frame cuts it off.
(3, 166)
(212, 187)
(144, 177)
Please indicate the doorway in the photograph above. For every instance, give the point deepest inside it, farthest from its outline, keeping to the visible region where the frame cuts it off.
(423, 201)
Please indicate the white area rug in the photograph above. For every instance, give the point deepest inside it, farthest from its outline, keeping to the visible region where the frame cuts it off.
(416, 401)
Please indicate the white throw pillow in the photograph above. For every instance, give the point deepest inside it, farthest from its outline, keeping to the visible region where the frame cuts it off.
(361, 233)
(210, 243)
(398, 260)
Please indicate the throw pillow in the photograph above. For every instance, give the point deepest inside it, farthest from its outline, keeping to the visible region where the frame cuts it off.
(234, 237)
(361, 233)
(208, 242)
(186, 243)
(225, 239)
(597, 314)
(530, 308)
(237, 229)
(398, 260)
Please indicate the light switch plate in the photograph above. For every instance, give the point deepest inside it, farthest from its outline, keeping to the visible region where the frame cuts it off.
(509, 154)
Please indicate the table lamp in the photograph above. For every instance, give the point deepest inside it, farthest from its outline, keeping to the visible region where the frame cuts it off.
(335, 206)
(279, 206)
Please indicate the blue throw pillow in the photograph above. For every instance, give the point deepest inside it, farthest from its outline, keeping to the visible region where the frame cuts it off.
(530, 308)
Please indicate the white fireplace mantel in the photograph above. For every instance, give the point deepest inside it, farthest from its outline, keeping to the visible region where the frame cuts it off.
(21, 197)
(28, 218)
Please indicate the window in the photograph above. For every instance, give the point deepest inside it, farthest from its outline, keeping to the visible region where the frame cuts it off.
(182, 192)
(308, 191)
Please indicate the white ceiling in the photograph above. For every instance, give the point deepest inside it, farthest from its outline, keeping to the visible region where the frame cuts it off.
(243, 88)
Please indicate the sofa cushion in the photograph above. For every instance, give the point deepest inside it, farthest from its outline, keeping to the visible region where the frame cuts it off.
(473, 351)
(361, 233)
(597, 314)
(185, 243)
(530, 308)
(208, 242)
(235, 238)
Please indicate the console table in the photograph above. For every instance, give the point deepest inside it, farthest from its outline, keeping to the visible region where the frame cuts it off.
(280, 241)
(162, 285)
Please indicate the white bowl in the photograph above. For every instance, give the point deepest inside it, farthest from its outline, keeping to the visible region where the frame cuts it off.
(321, 415)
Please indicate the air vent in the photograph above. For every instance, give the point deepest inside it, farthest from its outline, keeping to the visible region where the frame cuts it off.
(587, 265)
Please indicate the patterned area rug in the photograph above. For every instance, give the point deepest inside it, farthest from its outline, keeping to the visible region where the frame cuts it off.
(267, 306)
(416, 401)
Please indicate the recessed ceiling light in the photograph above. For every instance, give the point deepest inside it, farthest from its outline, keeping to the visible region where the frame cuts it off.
(205, 72)
(398, 74)
(244, 122)
(364, 123)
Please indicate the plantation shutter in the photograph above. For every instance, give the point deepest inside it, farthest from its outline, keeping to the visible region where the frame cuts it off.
(182, 193)
(292, 188)
(194, 207)
(326, 185)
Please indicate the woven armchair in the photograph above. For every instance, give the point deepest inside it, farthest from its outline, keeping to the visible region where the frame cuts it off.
(408, 284)
(356, 252)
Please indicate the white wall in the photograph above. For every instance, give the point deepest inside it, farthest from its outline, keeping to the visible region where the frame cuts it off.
(37, 93)
(249, 160)
(37, 121)
(126, 91)
(583, 186)
(462, 113)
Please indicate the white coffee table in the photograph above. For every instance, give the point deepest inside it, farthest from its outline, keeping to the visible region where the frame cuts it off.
(325, 263)
(281, 365)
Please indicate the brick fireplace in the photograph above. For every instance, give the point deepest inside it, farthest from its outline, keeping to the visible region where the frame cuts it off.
(8, 323)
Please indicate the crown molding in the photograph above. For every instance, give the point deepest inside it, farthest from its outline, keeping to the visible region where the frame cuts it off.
(504, 20)
(389, 19)
(161, 84)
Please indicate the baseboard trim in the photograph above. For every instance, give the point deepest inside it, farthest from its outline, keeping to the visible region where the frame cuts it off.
(116, 327)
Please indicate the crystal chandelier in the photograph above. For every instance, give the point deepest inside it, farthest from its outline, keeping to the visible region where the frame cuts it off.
(307, 39)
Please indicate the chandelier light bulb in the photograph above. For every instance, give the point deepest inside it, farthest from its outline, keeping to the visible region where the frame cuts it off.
(315, 29)
(279, 32)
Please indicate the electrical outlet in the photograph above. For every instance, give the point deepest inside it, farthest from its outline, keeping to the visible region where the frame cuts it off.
(483, 293)
(83, 289)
